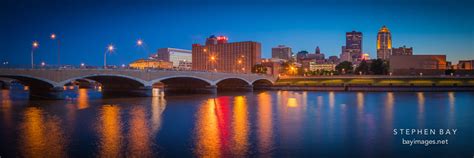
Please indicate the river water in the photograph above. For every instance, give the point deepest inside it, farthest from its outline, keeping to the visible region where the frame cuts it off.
(260, 123)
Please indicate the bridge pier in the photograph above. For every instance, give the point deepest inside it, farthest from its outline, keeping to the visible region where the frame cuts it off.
(126, 92)
(5, 85)
(56, 93)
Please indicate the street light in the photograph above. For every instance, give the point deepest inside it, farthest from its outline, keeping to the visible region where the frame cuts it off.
(140, 43)
(43, 64)
(33, 48)
(110, 49)
(54, 37)
(82, 65)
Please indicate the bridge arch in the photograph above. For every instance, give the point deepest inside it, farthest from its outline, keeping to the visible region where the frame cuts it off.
(185, 83)
(32, 82)
(262, 82)
(110, 80)
(232, 78)
(181, 76)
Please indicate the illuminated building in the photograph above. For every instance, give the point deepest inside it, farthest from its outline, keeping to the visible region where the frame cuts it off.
(174, 55)
(151, 64)
(273, 65)
(333, 59)
(281, 52)
(416, 64)
(313, 66)
(221, 56)
(402, 51)
(384, 43)
(185, 65)
(465, 65)
(352, 51)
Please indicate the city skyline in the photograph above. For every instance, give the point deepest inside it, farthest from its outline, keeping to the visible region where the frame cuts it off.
(88, 30)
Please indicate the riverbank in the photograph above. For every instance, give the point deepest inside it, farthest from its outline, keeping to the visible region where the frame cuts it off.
(375, 83)
(373, 88)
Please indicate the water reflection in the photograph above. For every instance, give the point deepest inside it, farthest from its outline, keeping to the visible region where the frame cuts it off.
(360, 102)
(241, 127)
(42, 135)
(421, 108)
(110, 131)
(265, 123)
(158, 105)
(451, 114)
(6, 108)
(82, 98)
(139, 134)
(207, 131)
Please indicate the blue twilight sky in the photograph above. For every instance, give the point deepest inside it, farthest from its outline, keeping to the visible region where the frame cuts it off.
(86, 27)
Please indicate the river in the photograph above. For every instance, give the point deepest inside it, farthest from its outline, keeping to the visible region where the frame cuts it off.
(259, 123)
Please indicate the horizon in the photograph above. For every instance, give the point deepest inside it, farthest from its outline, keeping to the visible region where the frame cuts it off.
(87, 27)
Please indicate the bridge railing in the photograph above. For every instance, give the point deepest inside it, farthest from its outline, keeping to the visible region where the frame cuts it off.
(127, 69)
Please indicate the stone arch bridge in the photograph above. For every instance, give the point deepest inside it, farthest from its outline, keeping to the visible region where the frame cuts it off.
(49, 83)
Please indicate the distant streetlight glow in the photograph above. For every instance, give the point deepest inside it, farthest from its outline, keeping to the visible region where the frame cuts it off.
(82, 64)
(53, 36)
(35, 44)
(43, 64)
(110, 48)
(139, 42)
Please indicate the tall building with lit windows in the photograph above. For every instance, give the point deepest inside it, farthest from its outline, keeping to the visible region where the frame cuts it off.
(221, 56)
(384, 43)
(352, 51)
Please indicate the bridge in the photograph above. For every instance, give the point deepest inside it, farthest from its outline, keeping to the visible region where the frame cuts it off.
(49, 83)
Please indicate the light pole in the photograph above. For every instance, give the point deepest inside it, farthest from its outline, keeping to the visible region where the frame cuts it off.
(53, 37)
(140, 43)
(109, 49)
(33, 48)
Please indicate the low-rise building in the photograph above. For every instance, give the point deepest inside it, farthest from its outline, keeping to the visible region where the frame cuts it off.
(185, 65)
(173, 55)
(465, 65)
(402, 51)
(273, 65)
(418, 64)
(313, 66)
(151, 64)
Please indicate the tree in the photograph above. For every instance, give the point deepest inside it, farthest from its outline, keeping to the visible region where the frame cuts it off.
(344, 67)
(379, 67)
(363, 67)
(259, 68)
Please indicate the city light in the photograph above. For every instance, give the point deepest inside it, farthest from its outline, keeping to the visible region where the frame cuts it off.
(82, 64)
(213, 58)
(53, 36)
(139, 42)
(35, 44)
(43, 64)
(110, 48)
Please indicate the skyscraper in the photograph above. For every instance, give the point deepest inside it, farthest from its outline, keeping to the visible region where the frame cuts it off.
(354, 40)
(281, 52)
(352, 51)
(384, 43)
